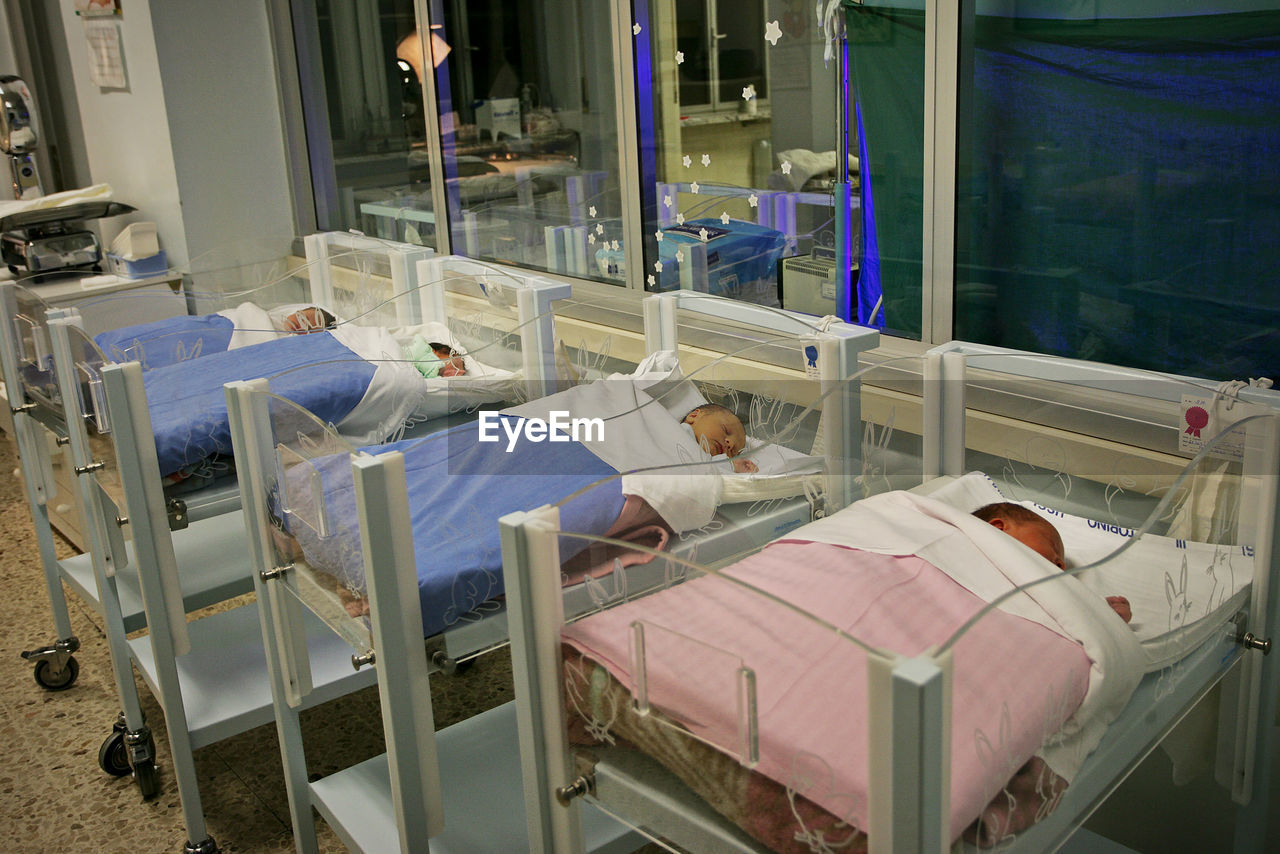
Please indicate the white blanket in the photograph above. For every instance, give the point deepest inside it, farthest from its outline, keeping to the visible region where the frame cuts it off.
(1180, 590)
(396, 391)
(990, 563)
(639, 435)
(251, 324)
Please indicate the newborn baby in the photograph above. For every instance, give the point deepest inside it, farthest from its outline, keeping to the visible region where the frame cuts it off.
(433, 359)
(718, 431)
(1034, 531)
(304, 321)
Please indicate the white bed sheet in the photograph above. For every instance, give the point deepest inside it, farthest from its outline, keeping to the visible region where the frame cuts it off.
(643, 432)
(1180, 591)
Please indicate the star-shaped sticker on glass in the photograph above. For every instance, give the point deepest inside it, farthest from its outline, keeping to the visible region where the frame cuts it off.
(786, 167)
(657, 235)
(772, 32)
(679, 219)
(599, 228)
(679, 57)
(724, 218)
(652, 280)
(614, 245)
(753, 200)
(693, 188)
(591, 211)
(591, 238)
(635, 29)
(706, 160)
(749, 91)
(687, 161)
(666, 200)
(657, 266)
(680, 256)
(703, 234)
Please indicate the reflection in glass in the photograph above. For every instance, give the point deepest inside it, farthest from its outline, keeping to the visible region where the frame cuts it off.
(528, 123)
(371, 112)
(1110, 202)
(742, 108)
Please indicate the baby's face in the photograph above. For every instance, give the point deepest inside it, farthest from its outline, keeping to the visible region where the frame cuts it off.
(304, 321)
(717, 431)
(453, 365)
(1041, 537)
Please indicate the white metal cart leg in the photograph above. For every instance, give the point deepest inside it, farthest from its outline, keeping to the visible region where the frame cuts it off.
(55, 668)
(251, 437)
(157, 574)
(531, 569)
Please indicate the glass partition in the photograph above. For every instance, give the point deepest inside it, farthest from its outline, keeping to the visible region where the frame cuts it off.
(530, 138)
(366, 133)
(1108, 187)
(741, 107)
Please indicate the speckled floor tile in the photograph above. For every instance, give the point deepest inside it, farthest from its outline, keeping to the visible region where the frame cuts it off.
(54, 798)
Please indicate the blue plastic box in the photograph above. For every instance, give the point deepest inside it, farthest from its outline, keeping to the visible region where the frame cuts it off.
(140, 269)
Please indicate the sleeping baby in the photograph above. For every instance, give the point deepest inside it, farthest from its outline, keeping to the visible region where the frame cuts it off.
(718, 431)
(1036, 533)
(433, 359)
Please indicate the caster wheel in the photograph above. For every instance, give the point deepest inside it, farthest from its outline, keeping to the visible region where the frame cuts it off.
(113, 757)
(145, 776)
(46, 679)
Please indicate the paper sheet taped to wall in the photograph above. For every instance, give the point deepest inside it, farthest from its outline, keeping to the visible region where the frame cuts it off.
(106, 60)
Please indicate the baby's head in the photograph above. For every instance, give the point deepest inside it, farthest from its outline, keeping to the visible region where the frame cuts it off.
(453, 365)
(307, 320)
(717, 429)
(1027, 527)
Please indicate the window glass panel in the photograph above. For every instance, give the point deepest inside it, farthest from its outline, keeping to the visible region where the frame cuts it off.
(529, 125)
(373, 152)
(740, 49)
(738, 190)
(1117, 190)
(693, 32)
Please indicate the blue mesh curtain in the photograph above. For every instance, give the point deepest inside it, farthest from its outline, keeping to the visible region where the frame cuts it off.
(886, 63)
(1118, 194)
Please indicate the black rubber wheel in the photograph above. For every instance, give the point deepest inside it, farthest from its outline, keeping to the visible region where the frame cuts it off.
(113, 757)
(64, 680)
(145, 776)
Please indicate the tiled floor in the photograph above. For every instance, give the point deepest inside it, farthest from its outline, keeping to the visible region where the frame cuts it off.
(55, 798)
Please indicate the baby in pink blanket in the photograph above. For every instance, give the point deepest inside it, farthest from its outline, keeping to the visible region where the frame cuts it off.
(1036, 533)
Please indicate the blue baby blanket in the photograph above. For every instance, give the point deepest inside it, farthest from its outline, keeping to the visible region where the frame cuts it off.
(189, 407)
(458, 489)
(165, 342)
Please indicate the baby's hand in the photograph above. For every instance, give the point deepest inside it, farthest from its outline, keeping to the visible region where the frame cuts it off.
(744, 466)
(1120, 605)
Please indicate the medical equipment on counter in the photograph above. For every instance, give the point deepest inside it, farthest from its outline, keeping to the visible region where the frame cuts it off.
(40, 239)
(18, 135)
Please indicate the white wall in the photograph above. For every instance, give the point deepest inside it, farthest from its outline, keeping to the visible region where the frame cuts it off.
(126, 131)
(227, 137)
(195, 140)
